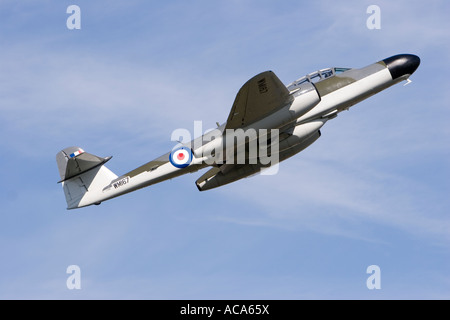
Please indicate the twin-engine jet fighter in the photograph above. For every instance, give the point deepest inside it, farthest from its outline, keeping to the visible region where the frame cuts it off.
(277, 120)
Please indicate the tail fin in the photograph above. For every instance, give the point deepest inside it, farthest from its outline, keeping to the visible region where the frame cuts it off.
(83, 176)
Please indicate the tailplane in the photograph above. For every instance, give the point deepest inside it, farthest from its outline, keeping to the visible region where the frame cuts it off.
(83, 176)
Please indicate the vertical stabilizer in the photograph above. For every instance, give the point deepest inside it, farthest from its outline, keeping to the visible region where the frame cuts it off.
(83, 176)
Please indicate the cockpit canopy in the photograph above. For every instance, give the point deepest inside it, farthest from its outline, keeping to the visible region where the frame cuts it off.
(316, 77)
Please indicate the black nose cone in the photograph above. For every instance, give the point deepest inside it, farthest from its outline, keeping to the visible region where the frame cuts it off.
(402, 64)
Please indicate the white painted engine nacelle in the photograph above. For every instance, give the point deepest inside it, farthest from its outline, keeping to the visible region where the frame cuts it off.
(301, 133)
(305, 98)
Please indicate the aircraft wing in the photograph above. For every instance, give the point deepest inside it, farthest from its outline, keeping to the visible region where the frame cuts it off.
(258, 97)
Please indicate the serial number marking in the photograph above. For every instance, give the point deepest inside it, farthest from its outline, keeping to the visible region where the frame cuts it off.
(121, 182)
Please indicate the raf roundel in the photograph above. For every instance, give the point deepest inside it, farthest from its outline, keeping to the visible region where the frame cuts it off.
(181, 157)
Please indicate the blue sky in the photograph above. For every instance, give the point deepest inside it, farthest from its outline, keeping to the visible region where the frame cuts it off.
(373, 190)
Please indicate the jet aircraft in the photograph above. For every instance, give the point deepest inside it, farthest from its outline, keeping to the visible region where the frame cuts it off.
(291, 116)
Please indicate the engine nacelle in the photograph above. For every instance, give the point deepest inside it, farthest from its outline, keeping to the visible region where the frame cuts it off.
(306, 97)
(301, 133)
(305, 143)
(217, 177)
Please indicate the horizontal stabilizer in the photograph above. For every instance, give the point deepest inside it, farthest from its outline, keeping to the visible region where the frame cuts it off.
(73, 161)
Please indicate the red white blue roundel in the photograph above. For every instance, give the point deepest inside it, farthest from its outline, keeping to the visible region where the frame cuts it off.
(181, 157)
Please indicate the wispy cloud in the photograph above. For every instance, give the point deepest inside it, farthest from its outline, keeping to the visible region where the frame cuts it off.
(341, 198)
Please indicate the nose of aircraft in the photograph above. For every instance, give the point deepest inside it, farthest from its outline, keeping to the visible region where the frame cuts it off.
(402, 64)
